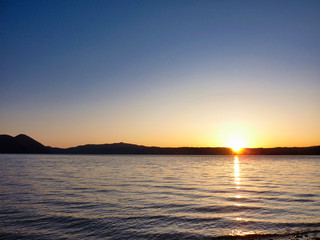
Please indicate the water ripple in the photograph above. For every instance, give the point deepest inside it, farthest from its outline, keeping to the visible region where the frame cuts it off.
(157, 197)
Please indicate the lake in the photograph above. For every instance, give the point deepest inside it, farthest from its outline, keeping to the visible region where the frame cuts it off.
(158, 197)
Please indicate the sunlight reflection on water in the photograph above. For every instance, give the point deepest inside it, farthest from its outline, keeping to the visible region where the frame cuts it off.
(237, 172)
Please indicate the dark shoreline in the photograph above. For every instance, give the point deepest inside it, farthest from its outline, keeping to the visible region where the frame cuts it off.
(25, 144)
(123, 148)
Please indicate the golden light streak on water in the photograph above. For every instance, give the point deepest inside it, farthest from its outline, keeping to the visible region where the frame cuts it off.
(237, 179)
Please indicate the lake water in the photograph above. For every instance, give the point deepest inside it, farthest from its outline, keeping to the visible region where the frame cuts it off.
(157, 197)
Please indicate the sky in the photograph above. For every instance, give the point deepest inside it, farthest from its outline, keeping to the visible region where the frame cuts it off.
(161, 73)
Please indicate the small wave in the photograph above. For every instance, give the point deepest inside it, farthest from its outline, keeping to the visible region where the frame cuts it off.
(169, 205)
(167, 218)
(300, 200)
(223, 209)
(174, 187)
(243, 199)
(306, 195)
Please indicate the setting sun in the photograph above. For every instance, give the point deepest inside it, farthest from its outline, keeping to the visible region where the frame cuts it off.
(236, 144)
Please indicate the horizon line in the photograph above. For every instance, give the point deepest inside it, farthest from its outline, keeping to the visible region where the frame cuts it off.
(142, 145)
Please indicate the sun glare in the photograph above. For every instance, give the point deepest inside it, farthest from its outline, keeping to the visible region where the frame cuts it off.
(236, 145)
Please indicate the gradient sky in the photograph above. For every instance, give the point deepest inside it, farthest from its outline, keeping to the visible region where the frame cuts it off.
(165, 73)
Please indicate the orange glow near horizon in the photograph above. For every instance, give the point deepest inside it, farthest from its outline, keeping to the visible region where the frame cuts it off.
(235, 135)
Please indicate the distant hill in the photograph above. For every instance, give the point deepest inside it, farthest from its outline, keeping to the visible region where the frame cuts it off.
(125, 148)
(21, 144)
(25, 144)
(315, 150)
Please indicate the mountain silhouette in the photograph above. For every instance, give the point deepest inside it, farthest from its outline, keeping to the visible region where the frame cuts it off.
(21, 144)
(24, 144)
(126, 148)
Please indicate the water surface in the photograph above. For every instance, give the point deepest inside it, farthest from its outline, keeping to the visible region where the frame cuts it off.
(157, 197)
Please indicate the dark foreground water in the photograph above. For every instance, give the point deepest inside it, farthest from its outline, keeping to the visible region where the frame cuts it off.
(157, 197)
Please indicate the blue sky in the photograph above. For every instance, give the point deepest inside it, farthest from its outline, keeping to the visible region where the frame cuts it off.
(74, 72)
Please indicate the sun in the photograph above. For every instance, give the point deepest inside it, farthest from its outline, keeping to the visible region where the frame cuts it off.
(236, 144)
